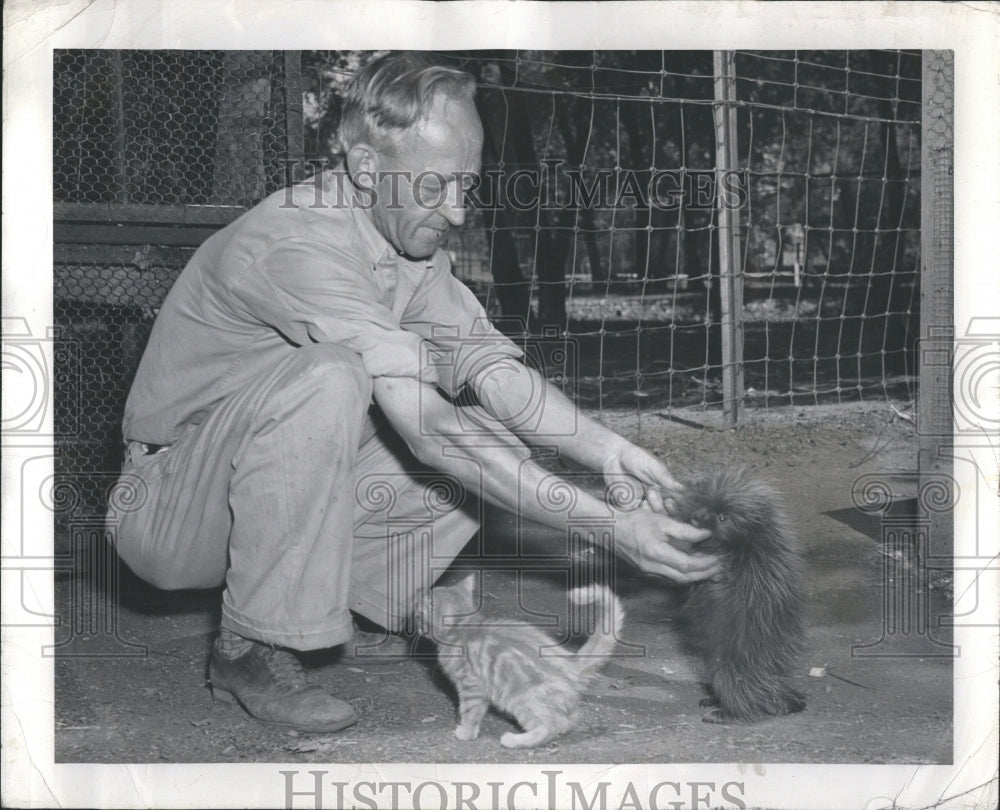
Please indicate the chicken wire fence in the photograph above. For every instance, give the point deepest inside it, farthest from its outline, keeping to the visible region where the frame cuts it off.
(680, 229)
(152, 152)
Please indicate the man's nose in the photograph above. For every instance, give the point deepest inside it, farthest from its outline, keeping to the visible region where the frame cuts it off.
(453, 209)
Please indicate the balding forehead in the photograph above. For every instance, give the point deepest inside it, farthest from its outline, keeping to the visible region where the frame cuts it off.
(451, 135)
(451, 119)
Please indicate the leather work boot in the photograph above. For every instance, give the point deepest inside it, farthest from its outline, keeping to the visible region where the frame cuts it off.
(378, 644)
(270, 684)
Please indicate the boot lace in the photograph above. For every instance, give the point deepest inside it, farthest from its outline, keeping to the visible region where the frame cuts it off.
(287, 671)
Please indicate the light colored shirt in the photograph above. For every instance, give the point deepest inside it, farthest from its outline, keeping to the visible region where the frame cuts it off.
(305, 265)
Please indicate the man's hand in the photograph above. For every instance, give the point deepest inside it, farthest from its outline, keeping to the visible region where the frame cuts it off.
(502, 473)
(646, 538)
(634, 476)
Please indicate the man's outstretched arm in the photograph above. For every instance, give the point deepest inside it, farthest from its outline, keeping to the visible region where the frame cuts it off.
(494, 464)
(539, 413)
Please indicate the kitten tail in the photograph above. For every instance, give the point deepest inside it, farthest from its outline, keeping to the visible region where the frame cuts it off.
(598, 648)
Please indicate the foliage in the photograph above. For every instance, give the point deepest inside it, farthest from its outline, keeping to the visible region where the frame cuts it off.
(829, 140)
(325, 75)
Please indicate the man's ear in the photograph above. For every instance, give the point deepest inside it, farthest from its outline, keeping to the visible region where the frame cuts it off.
(362, 165)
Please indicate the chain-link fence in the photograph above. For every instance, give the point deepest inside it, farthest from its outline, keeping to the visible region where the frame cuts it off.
(831, 142)
(610, 233)
(153, 151)
(611, 181)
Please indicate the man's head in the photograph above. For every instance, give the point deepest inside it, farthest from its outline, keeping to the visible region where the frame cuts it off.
(413, 141)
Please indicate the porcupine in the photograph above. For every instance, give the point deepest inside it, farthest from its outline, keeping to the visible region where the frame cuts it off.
(748, 626)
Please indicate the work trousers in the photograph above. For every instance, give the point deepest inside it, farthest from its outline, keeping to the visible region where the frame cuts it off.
(294, 498)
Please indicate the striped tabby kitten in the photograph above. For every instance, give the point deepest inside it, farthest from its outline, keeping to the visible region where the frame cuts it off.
(506, 665)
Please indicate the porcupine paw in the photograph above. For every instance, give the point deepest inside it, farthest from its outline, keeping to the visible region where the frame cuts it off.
(794, 701)
(717, 717)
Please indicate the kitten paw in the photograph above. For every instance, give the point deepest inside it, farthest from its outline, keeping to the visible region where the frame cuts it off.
(465, 733)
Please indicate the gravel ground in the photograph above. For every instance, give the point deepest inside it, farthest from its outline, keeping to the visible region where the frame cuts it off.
(149, 703)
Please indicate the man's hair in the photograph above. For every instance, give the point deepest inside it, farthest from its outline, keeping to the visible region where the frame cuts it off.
(391, 94)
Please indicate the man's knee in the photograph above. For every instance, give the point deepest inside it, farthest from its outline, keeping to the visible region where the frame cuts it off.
(167, 567)
(334, 363)
(174, 576)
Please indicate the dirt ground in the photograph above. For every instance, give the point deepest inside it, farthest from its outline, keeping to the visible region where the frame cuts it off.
(889, 703)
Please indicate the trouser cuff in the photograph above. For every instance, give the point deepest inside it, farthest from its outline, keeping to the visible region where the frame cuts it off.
(338, 629)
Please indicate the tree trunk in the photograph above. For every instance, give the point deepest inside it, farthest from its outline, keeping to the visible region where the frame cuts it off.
(551, 241)
(887, 244)
(512, 289)
(888, 299)
(575, 155)
(638, 158)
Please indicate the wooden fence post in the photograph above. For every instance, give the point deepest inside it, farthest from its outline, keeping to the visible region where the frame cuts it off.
(294, 129)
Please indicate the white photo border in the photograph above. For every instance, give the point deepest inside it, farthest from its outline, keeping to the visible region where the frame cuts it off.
(32, 30)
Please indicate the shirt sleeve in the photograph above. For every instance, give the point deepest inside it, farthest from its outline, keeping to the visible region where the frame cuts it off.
(315, 292)
(462, 341)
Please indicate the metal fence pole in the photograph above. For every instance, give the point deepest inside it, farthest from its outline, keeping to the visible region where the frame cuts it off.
(935, 418)
(121, 168)
(730, 266)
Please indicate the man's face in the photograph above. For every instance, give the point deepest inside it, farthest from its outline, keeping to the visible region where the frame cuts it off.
(421, 188)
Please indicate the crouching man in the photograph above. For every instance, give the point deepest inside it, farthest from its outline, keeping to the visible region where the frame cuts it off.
(292, 366)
